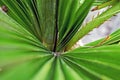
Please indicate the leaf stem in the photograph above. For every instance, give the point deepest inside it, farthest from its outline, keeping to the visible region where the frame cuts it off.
(56, 26)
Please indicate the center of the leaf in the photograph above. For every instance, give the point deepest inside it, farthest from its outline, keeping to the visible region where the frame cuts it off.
(56, 53)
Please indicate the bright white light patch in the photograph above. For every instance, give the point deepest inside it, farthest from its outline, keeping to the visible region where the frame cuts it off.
(81, 1)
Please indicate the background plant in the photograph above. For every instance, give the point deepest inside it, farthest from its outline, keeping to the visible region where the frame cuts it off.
(36, 38)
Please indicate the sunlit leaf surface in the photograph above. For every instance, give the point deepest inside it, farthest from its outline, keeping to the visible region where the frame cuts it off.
(35, 35)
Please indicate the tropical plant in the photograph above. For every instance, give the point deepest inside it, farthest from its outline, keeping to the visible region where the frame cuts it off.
(37, 39)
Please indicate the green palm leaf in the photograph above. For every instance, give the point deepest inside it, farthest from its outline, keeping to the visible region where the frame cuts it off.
(35, 33)
(95, 23)
(101, 63)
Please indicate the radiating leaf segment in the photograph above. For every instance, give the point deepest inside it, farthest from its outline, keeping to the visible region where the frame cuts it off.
(36, 37)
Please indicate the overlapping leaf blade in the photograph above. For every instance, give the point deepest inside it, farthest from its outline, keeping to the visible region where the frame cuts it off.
(24, 36)
(71, 19)
(47, 13)
(102, 62)
(96, 22)
(20, 51)
(38, 17)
